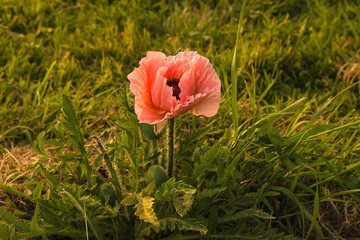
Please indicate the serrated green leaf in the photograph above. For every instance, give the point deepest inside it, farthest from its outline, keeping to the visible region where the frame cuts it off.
(252, 212)
(53, 142)
(38, 146)
(37, 190)
(180, 194)
(72, 124)
(13, 190)
(186, 168)
(49, 215)
(69, 111)
(5, 231)
(33, 223)
(209, 192)
(71, 157)
(74, 196)
(149, 190)
(122, 99)
(18, 223)
(186, 224)
(53, 180)
(129, 200)
(145, 211)
(213, 218)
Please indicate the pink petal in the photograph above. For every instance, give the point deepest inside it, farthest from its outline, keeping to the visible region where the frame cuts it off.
(183, 55)
(187, 86)
(179, 64)
(205, 75)
(161, 93)
(207, 105)
(203, 84)
(142, 79)
(199, 85)
(146, 114)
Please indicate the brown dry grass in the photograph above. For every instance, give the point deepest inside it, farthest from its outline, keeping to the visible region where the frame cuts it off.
(340, 220)
(14, 159)
(350, 72)
(14, 163)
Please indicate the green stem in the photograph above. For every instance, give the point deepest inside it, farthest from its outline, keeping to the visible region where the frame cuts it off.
(170, 146)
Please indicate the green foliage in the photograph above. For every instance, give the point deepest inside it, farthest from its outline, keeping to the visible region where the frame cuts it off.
(184, 224)
(181, 195)
(5, 231)
(247, 213)
(155, 174)
(283, 147)
(145, 211)
(72, 124)
(213, 192)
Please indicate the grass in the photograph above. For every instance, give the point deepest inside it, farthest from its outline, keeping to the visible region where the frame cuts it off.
(280, 157)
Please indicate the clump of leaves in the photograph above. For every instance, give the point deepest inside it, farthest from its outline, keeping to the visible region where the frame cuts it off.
(74, 198)
(234, 185)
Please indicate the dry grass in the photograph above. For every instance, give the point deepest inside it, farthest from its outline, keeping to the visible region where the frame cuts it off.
(15, 162)
(350, 72)
(341, 220)
(15, 159)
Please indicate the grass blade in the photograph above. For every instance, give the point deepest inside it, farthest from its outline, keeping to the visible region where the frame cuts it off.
(234, 87)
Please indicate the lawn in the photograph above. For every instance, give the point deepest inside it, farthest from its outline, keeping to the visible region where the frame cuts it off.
(279, 160)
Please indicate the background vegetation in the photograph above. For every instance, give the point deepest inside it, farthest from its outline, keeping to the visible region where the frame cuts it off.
(280, 158)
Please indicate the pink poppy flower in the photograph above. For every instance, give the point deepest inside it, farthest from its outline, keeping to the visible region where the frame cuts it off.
(166, 87)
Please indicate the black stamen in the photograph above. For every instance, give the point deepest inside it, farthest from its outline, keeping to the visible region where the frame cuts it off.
(174, 83)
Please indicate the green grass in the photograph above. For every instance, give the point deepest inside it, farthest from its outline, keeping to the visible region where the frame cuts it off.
(281, 156)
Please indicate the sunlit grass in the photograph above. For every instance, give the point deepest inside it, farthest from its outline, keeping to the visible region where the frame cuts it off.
(285, 140)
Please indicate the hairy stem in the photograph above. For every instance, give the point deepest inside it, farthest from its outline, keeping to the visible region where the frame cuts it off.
(170, 146)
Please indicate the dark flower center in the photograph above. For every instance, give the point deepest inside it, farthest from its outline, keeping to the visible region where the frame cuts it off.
(174, 83)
